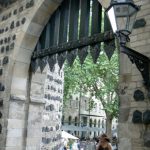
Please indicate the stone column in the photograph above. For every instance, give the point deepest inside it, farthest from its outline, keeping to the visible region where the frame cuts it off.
(134, 136)
(21, 24)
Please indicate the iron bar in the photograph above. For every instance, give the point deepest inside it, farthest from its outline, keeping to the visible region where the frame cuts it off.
(73, 20)
(96, 17)
(142, 63)
(84, 18)
(86, 41)
(64, 18)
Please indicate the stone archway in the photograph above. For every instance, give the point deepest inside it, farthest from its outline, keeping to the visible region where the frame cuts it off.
(30, 18)
(18, 82)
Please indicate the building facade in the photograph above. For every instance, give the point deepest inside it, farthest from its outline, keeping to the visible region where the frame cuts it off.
(81, 120)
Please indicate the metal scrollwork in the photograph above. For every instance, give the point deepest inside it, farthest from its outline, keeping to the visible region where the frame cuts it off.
(142, 63)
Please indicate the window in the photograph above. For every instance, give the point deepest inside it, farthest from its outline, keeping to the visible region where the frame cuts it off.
(69, 120)
(95, 122)
(77, 102)
(76, 121)
(102, 123)
(63, 118)
(90, 122)
(99, 123)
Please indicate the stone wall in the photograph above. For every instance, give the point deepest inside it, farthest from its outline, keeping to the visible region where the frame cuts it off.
(21, 112)
(134, 136)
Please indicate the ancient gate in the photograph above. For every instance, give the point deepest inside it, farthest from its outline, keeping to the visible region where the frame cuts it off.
(22, 105)
(76, 28)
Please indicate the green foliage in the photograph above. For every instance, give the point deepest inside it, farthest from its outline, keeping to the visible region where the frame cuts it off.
(100, 80)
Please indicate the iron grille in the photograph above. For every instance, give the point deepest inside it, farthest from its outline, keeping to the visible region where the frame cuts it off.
(77, 27)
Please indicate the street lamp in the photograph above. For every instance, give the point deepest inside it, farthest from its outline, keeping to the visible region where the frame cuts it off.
(122, 15)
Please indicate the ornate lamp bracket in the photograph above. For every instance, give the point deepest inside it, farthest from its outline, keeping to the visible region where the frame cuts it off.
(141, 61)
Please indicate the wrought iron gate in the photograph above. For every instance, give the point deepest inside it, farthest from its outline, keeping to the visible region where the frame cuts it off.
(76, 27)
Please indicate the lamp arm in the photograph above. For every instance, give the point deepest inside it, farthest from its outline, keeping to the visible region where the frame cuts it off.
(123, 39)
(142, 63)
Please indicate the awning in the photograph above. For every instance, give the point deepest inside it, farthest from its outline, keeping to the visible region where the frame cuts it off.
(68, 136)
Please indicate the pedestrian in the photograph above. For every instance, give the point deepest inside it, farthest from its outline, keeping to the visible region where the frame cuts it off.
(104, 143)
(65, 144)
(78, 144)
(114, 143)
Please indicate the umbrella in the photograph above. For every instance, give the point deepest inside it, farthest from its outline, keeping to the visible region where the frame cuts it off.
(68, 136)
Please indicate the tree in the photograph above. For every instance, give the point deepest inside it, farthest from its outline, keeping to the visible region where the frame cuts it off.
(100, 80)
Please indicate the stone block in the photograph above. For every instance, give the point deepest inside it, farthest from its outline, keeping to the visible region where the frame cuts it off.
(126, 78)
(124, 101)
(37, 90)
(139, 43)
(24, 56)
(19, 89)
(34, 132)
(26, 41)
(142, 13)
(135, 104)
(136, 132)
(17, 110)
(135, 71)
(33, 28)
(41, 17)
(15, 133)
(16, 123)
(132, 84)
(139, 84)
(50, 5)
(21, 69)
(34, 120)
(125, 144)
(32, 148)
(137, 78)
(14, 148)
(33, 142)
(14, 142)
(36, 108)
(147, 6)
(124, 115)
(133, 38)
(39, 77)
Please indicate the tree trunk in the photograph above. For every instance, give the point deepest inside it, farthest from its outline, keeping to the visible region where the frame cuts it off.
(109, 126)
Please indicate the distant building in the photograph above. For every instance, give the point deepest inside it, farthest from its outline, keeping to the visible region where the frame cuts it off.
(81, 121)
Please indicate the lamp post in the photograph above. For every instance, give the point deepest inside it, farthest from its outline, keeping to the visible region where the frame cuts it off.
(122, 15)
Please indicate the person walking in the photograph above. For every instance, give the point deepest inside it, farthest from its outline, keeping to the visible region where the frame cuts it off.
(104, 143)
(114, 143)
